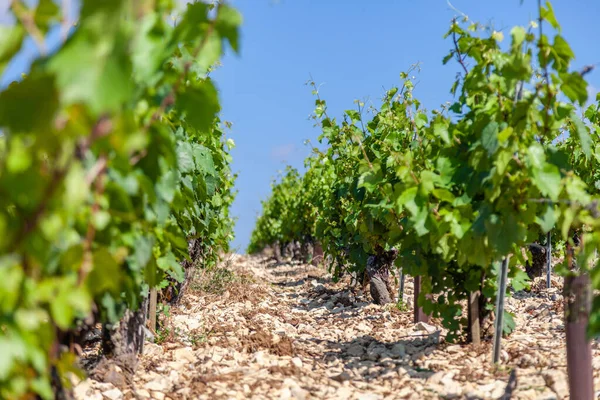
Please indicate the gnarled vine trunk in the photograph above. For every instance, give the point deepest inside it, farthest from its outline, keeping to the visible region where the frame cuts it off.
(537, 266)
(126, 337)
(318, 254)
(277, 252)
(378, 273)
(307, 250)
(174, 292)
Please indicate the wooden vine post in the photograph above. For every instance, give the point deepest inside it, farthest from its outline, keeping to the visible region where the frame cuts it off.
(474, 326)
(499, 325)
(578, 294)
(152, 310)
(419, 314)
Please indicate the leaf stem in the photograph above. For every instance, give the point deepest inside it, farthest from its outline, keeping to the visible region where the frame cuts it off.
(25, 17)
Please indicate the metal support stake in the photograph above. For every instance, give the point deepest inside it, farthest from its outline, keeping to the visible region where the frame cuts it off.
(401, 291)
(502, 277)
(549, 260)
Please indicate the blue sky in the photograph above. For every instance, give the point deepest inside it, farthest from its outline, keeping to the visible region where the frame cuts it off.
(355, 49)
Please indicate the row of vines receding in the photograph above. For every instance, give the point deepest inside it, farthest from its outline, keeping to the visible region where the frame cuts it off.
(448, 194)
(113, 164)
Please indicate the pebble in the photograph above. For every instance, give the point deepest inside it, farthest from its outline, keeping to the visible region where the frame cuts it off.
(320, 340)
(356, 350)
(113, 394)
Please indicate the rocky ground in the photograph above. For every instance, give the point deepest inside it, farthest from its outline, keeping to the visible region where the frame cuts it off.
(257, 329)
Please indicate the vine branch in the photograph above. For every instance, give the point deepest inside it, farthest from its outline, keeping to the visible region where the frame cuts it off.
(25, 17)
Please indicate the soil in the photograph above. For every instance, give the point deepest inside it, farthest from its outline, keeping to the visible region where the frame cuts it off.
(286, 330)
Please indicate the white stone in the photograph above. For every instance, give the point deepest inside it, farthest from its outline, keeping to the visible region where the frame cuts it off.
(184, 354)
(369, 396)
(143, 393)
(103, 386)
(363, 327)
(452, 388)
(157, 385)
(153, 350)
(557, 381)
(261, 358)
(83, 390)
(298, 393)
(113, 394)
(297, 362)
(286, 394)
(422, 326)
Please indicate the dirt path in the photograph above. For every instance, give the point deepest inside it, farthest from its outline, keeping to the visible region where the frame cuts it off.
(286, 331)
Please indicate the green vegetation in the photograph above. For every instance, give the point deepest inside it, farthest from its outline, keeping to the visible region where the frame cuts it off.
(112, 158)
(458, 189)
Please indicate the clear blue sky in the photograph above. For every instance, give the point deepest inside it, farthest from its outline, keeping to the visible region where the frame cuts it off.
(355, 49)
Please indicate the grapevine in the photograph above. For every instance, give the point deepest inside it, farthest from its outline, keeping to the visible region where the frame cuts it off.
(459, 189)
(112, 159)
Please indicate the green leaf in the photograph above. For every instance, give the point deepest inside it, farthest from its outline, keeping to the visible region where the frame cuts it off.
(520, 280)
(200, 104)
(420, 120)
(105, 275)
(204, 160)
(547, 220)
(193, 22)
(99, 8)
(61, 311)
(547, 179)
(185, 157)
(582, 132)
(149, 48)
(167, 185)
(28, 319)
(509, 324)
(548, 14)
(142, 252)
(75, 193)
(518, 34)
(227, 24)
(29, 105)
(568, 218)
(574, 87)
(152, 274)
(211, 51)
(101, 219)
(19, 156)
(563, 53)
(441, 130)
(11, 39)
(489, 137)
(95, 73)
(443, 194)
(12, 350)
(169, 264)
(504, 231)
(46, 13)
(536, 155)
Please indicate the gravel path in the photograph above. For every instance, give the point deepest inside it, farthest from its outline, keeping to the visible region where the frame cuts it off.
(287, 331)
